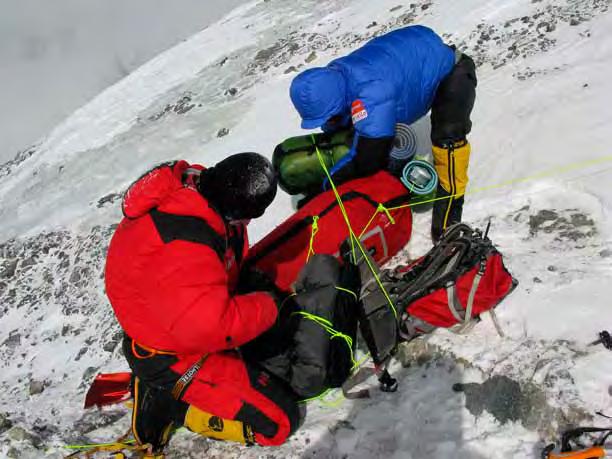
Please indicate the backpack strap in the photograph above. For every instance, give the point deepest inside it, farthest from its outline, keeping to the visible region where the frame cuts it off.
(455, 306)
(188, 228)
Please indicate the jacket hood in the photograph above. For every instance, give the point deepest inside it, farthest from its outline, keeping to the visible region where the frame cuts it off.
(150, 190)
(318, 94)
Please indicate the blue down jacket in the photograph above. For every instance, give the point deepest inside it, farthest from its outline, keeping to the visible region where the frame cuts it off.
(391, 79)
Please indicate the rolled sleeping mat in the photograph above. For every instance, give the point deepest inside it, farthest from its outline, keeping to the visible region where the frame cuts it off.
(421, 179)
(296, 162)
(404, 149)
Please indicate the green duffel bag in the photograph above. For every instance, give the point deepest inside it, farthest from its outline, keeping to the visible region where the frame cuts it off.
(297, 165)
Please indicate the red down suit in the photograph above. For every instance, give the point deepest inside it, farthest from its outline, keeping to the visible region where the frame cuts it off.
(172, 289)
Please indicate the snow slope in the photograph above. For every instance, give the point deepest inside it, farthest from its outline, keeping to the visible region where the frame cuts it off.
(540, 170)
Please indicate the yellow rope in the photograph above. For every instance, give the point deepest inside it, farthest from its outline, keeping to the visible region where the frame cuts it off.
(338, 198)
(354, 239)
(342, 289)
(115, 448)
(382, 208)
(548, 173)
(314, 229)
(97, 445)
(338, 400)
(379, 209)
(328, 327)
(365, 228)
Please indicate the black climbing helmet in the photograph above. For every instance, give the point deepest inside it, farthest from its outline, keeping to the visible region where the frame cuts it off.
(241, 186)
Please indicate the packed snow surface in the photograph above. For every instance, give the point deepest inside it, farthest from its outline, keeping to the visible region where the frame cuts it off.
(540, 171)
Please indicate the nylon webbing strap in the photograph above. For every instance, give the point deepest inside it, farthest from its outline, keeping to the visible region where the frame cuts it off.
(413, 327)
(360, 377)
(455, 306)
(472, 295)
(184, 381)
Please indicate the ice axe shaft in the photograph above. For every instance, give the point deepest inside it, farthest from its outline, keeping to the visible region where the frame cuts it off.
(595, 452)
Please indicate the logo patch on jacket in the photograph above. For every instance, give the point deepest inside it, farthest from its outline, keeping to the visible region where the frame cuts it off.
(358, 111)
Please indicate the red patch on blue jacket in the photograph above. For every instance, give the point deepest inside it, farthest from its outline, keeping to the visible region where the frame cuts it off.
(358, 111)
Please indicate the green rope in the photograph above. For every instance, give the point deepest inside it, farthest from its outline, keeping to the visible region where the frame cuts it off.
(335, 403)
(328, 327)
(313, 232)
(338, 198)
(96, 445)
(352, 235)
(350, 292)
(382, 208)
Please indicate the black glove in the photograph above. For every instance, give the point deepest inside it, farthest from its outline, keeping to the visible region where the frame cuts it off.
(254, 280)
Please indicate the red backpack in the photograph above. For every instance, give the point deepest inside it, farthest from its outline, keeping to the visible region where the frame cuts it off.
(460, 278)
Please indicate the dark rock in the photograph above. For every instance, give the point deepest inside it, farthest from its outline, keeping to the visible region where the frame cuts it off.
(265, 54)
(537, 280)
(552, 268)
(222, 132)
(311, 57)
(5, 423)
(183, 105)
(580, 219)
(547, 26)
(290, 69)
(88, 375)
(13, 340)
(574, 22)
(342, 424)
(93, 420)
(606, 253)
(112, 344)
(231, 92)
(9, 269)
(19, 434)
(395, 8)
(30, 261)
(537, 221)
(504, 399)
(36, 387)
(372, 24)
(43, 430)
(81, 353)
(108, 199)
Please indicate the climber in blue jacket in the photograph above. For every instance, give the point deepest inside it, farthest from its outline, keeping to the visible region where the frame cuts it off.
(396, 78)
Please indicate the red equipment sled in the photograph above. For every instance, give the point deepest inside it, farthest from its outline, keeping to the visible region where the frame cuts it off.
(109, 389)
(319, 227)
